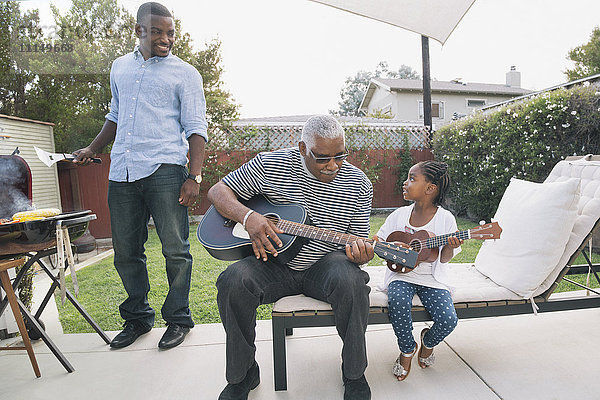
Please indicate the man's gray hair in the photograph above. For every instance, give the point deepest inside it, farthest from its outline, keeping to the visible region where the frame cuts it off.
(324, 126)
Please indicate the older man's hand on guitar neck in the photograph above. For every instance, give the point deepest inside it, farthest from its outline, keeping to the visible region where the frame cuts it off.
(360, 252)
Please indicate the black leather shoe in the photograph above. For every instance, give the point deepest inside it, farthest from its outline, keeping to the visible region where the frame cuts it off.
(132, 330)
(239, 391)
(173, 336)
(356, 389)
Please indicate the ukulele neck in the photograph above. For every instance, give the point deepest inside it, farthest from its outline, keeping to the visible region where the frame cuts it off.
(442, 240)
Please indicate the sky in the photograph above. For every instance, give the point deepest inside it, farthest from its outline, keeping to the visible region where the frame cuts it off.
(291, 57)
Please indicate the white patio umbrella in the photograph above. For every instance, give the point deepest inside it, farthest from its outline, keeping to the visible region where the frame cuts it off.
(434, 19)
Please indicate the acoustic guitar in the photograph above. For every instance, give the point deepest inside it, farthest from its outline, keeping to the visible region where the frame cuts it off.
(427, 245)
(225, 239)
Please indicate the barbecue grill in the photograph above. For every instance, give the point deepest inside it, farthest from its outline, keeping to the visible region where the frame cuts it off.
(35, 239)
(43, 231)
(16, 196)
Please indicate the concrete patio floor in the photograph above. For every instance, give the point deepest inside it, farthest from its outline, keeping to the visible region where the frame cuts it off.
(549, 356)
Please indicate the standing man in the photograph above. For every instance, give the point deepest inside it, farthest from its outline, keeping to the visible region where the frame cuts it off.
(157, 116)
(337, 196)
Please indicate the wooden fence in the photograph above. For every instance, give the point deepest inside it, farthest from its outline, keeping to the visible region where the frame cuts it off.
(378, 142)
(87, 188)
(272, 137)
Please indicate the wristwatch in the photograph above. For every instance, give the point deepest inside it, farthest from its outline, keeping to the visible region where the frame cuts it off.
(197, 178)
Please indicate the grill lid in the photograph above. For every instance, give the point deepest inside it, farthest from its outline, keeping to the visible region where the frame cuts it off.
(15, 181)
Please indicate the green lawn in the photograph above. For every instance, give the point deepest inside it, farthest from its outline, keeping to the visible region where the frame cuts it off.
(101, 290)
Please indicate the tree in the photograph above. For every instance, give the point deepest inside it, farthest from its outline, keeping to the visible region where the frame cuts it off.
(586, 58)
(16, 30)
(72, 87)
(69, 85)
(356, 86)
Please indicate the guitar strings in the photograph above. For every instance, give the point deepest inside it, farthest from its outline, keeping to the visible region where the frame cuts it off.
(295, 228)
(441, 240)
(314, 232)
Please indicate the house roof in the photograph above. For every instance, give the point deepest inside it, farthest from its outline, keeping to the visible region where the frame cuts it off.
(587, 80)
(416, 85)
(25, 120)
(401, 85)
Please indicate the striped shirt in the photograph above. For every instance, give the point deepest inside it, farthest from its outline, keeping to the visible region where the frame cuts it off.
(342, 205)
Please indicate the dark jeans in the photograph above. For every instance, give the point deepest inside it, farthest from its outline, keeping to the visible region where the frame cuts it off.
(131, 204)
(243, 286)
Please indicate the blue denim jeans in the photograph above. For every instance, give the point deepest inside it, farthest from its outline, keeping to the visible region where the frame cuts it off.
(437, 302)
(246, 284)
(131, 204)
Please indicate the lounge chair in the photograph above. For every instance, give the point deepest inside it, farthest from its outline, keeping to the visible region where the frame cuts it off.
(475, 294)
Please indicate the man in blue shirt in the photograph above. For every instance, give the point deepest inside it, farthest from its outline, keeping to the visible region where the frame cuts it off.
(157, 116)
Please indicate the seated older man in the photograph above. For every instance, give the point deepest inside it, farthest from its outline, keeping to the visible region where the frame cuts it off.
(337, 196)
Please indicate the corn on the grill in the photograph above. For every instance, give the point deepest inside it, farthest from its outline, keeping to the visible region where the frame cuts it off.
(35, 214)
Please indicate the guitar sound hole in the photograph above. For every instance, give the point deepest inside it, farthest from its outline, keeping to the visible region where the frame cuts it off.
(273, 217)
(416, 245)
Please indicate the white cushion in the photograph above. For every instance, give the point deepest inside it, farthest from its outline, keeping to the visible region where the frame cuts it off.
(301, 302)
(468, 285)
(536, 221)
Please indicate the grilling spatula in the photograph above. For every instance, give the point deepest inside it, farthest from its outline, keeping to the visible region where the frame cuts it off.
(51, 158)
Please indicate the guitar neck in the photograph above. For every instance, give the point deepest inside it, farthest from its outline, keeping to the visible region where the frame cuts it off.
(442, 240)
(389, 251)
(312, 232)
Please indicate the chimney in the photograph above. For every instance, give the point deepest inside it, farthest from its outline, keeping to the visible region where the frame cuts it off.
(513, 77)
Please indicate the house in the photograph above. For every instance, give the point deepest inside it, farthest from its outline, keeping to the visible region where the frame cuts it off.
(403, 98)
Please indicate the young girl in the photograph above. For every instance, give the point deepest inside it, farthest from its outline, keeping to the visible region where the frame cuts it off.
(426, 186)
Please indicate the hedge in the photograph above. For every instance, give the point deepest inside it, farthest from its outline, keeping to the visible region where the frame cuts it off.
(523, 140)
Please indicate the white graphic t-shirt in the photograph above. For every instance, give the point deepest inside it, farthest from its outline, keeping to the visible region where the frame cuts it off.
(431, 274)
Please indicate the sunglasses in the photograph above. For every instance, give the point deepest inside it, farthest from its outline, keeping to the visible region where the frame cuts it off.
(325, 160)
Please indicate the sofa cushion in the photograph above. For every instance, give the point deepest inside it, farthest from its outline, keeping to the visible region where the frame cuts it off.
(468, 285)
(536, 221)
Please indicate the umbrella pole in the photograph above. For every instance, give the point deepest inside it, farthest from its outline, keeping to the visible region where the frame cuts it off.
(426, 85)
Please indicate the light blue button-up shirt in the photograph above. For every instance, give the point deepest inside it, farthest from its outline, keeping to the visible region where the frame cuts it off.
(157, 105)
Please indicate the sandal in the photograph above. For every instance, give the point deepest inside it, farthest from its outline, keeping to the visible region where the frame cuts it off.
(398, 370)
(428, 361)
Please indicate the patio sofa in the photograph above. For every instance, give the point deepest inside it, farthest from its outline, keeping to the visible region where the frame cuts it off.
(497, 284)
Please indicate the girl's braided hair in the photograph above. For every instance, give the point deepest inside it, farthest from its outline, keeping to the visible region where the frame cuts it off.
(436, 172)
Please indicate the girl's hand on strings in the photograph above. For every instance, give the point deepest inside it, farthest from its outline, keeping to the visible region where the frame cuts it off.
(454, 242)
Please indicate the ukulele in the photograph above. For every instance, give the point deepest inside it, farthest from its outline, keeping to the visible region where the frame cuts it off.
(427, 245)
(227, 240)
